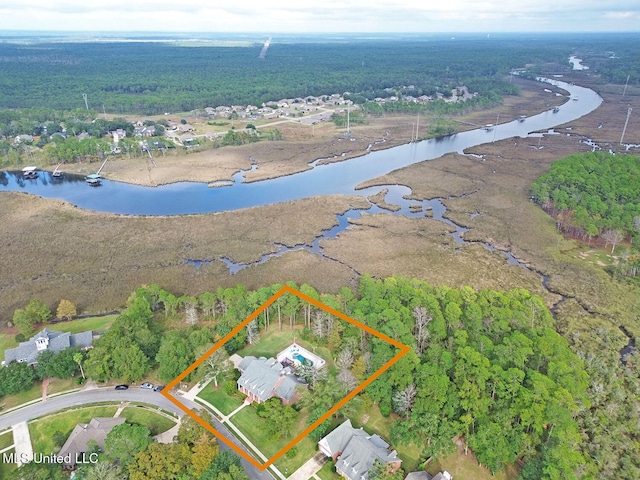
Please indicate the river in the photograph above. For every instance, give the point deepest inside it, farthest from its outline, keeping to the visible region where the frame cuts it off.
(335, 178)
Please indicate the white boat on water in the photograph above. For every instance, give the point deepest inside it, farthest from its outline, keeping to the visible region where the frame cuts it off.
(30, 172)
(94, 179)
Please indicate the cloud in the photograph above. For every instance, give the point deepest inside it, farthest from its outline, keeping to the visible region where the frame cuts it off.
(328, 16)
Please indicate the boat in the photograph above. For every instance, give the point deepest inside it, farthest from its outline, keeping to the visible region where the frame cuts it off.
(57, 173)
(30, 172)
(556, 109)
(488, 127)
(521, 118)
(93, 179)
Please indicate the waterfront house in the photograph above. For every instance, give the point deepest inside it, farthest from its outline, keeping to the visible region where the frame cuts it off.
(52, 340)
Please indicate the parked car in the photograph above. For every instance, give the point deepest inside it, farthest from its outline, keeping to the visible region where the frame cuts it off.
(147, 385)
(158, 388)
(122, 387)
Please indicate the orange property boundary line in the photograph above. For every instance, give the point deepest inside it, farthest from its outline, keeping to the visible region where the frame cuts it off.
(285, 289)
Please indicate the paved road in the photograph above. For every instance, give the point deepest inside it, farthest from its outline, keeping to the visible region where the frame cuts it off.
(108, 394)
(63, 402)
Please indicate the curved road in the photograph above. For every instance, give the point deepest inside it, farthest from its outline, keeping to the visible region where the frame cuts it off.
(109, 394)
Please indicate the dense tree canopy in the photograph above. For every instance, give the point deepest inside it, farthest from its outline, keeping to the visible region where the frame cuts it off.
(486, 367)
(592, 189)
(158, 77)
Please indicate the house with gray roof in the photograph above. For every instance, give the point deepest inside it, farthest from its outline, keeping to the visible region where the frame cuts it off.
(354, 451)
(50, 340)
(83, 433)
(425, 476)
(263, 378)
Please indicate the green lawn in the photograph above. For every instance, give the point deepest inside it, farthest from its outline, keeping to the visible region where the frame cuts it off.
(7, 341)
(35, 392)
(465, 467)
(249, 423)
(155, 422)
(84, 324)
(42, 430)
(7, 468)
(271, 343)
(328, 472)
(6, 439)
(219, 398)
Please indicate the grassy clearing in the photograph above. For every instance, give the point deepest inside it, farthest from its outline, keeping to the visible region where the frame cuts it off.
(6, 439)
(42, 430)
(7, 468)
(219, 398)
(464, 467)
(7, 341)
(96, 324)
(153, 421)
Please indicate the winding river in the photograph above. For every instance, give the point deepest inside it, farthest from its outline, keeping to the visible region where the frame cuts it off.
(327, 179)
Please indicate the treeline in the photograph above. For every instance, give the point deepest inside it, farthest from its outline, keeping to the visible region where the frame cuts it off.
(486, 366)
(595, 195)
(154, 78)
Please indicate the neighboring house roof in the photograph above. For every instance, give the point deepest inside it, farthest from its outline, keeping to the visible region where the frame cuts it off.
(443, 476)
(47, 340)
(356, 450)
(418, 476)
(96, 430)
(266, 377)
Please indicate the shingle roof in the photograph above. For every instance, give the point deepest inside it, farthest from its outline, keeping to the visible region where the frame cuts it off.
(418, 476)
(56, 342)
(359, 456)
(96, 430)
(357, 449)
(262, 377)
(337, 440)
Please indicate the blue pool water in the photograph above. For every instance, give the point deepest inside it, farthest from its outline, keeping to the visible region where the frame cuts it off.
(302, 359)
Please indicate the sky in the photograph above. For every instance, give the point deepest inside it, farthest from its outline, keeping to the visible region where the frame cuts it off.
(303, 16)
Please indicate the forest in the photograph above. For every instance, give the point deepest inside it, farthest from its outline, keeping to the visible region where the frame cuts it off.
(486, 367)
(156, 77)
(595, 195)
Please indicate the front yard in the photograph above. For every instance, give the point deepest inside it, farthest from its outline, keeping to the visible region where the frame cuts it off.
(219, 399)
(42, 430)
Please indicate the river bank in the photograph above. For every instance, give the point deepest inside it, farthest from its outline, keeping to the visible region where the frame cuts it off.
(303, 144)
